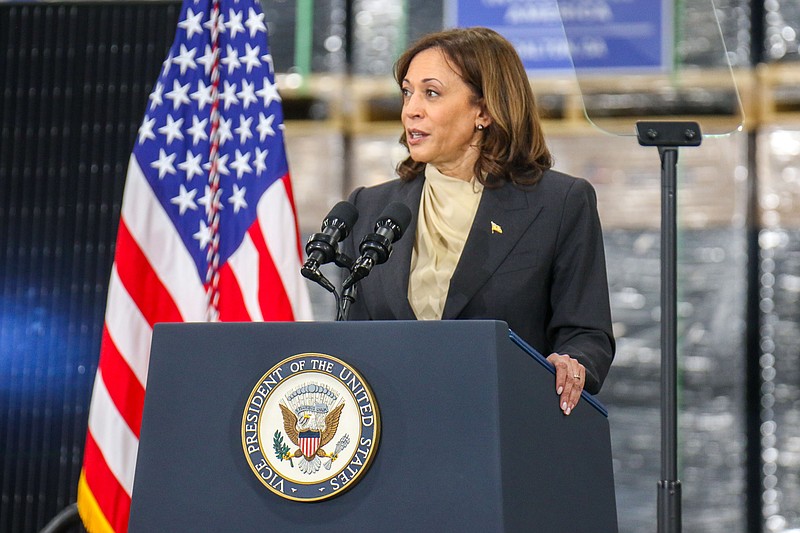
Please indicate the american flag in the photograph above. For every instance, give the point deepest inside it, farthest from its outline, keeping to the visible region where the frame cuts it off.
(208, 228)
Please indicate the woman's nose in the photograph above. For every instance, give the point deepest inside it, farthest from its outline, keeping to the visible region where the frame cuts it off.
(412, 107)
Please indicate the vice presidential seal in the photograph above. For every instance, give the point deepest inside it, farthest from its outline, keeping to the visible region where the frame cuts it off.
(310, 428)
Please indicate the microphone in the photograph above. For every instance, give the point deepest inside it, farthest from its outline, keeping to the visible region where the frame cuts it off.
(322, 247)
(376, 247)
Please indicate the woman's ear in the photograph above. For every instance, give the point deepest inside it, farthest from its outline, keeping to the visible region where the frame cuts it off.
(484, 119)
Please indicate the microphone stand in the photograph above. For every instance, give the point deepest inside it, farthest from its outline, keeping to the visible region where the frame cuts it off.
(668, 136)
(348, 297)
(349, 294)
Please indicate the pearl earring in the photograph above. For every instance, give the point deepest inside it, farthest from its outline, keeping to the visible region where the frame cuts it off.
(479, 127)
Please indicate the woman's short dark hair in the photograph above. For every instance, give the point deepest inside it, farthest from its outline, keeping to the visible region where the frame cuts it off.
(512, 147)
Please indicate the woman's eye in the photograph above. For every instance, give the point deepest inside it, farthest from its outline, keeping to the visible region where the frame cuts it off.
(431, 92)
(405, 92)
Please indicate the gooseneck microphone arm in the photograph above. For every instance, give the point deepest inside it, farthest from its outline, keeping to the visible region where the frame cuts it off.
(376, 247)
(323, 247)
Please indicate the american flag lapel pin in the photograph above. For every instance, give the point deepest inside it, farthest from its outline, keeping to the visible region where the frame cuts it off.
(496, 227)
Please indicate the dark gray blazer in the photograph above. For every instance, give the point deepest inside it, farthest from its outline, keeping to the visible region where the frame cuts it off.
(545, 274)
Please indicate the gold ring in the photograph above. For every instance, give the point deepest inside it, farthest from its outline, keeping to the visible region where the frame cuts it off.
(577, 376)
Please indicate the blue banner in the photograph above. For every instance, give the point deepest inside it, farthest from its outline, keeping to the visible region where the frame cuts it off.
(596, 35)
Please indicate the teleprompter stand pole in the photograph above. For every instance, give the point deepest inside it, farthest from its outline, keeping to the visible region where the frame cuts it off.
(668, 137)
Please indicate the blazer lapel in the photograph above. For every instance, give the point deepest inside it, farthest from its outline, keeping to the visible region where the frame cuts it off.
(503, 216)
(393, 275)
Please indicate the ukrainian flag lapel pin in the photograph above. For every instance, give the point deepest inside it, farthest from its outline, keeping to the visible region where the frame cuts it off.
(496, 228)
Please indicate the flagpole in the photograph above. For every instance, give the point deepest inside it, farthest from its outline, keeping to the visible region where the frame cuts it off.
(212, 208)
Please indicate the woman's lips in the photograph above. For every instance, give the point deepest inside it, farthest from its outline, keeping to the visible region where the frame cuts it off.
(414, 137)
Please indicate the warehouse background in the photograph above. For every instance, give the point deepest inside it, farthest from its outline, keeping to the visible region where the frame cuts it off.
(74, 79)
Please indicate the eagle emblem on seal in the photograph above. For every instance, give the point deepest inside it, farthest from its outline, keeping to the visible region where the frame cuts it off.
(311, 415)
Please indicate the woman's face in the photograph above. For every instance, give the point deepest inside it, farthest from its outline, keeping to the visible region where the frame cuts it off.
(440, 115)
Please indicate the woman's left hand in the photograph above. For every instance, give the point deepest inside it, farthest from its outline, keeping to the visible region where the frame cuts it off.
(570, 379)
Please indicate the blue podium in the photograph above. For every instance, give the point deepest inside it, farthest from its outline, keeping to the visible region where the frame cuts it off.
(471, 435)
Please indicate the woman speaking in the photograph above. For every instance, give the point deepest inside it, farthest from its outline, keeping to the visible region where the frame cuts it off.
(495, 232)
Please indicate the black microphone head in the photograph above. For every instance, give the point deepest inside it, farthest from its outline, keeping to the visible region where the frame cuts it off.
(343, 216)
(396, 214)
